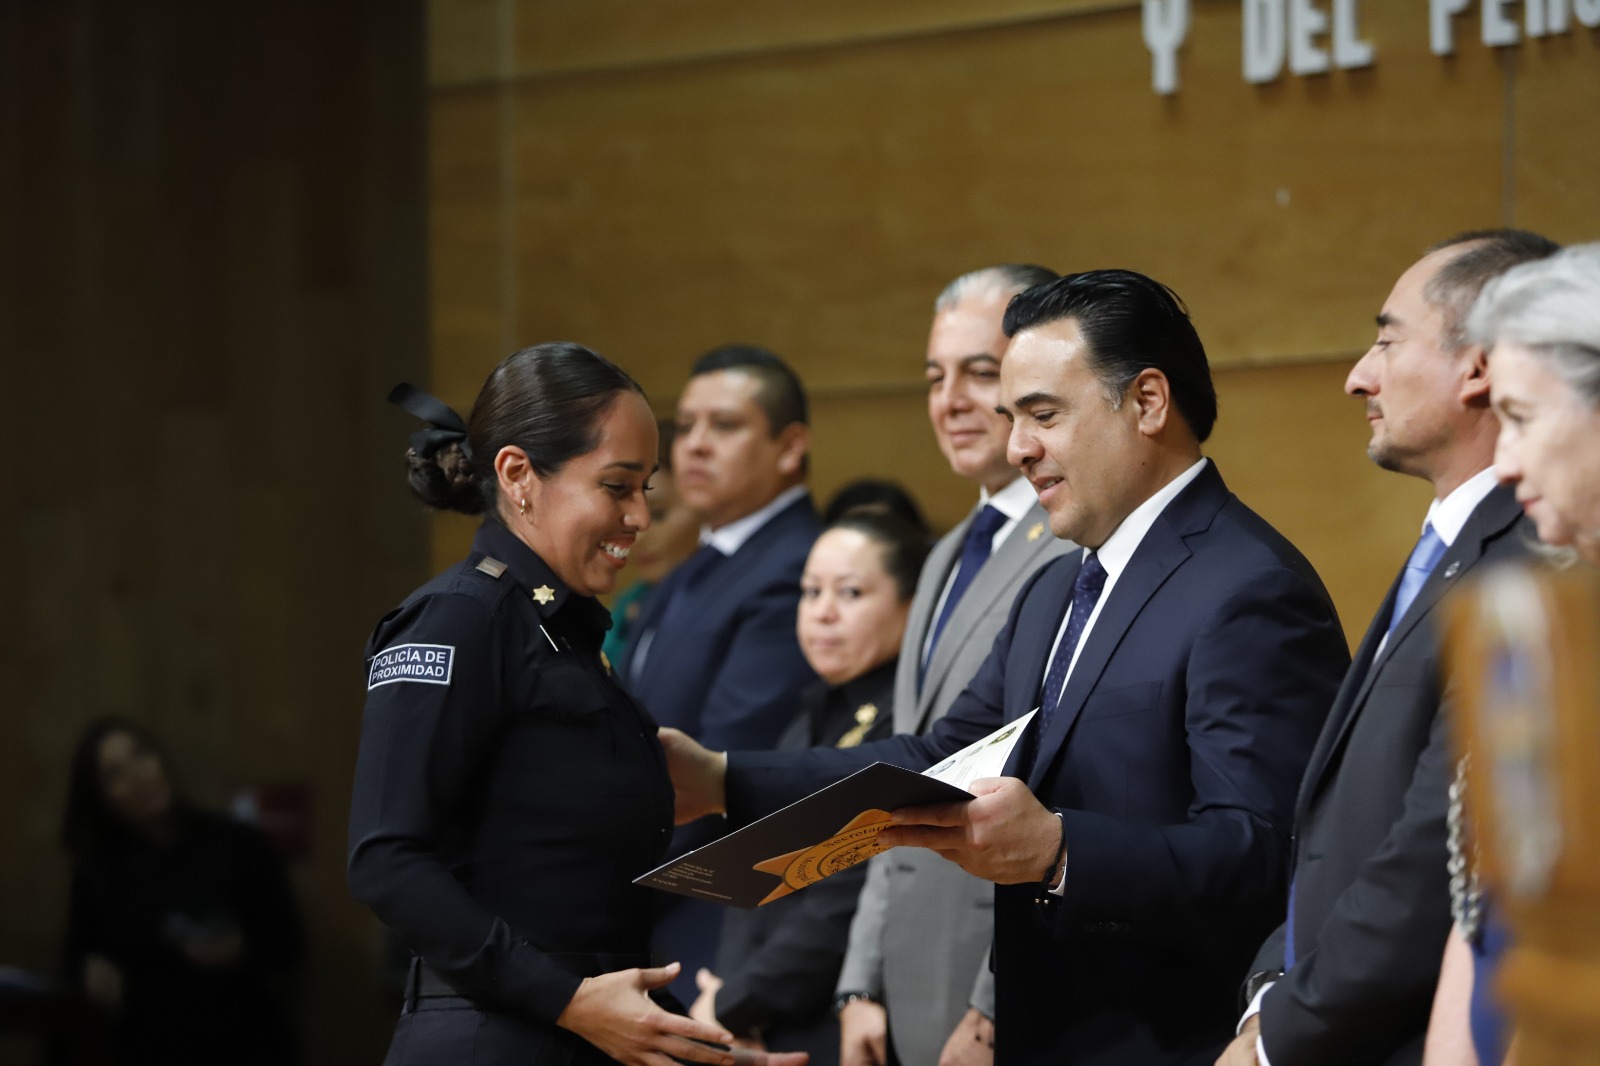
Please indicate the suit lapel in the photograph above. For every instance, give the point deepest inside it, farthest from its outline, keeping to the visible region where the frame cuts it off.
(1016, 554)
(1160, 553)
(725, 581)
(911, 703)
(1352, 692)
(1490, 519)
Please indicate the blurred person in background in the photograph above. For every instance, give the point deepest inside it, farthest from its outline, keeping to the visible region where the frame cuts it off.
(875, 494)
(777, 965)
(1541, 325)
(181, 922)
(715, 654)
(508, 789)
(671, 538)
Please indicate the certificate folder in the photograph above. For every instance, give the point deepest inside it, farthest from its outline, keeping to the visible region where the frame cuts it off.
(828, 831)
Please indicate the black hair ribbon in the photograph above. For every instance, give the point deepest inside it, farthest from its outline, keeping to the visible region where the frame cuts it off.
(447, 426)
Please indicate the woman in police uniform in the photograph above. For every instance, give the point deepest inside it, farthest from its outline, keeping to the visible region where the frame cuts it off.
(507, 789)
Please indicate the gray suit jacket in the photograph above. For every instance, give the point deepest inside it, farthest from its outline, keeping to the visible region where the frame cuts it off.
(921, 934)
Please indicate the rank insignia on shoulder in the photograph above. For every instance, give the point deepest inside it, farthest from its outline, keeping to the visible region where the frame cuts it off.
(1036, 532)
(493, 567)
(543, 594)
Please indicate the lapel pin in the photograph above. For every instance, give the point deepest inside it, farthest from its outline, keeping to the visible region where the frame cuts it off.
(1036, 532)
(1451, 571)
(543, 594)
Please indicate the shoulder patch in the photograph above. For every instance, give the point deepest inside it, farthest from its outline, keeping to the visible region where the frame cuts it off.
(429, 663)
(493, 567)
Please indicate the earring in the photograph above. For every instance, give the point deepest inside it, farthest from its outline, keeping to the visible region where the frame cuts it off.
(522, 507)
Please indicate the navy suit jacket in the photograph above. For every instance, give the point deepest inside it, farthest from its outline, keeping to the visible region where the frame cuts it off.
(1173, 759)
(1372, 901)
(729, 671)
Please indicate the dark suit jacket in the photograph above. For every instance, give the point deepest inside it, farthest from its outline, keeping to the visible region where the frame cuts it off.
(1371, 902)
(728, 671)
(1172, 758)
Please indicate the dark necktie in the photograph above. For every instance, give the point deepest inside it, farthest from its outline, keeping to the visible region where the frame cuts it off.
(1086, 591)
(975, 548)
(1424, 557)
(690, 575)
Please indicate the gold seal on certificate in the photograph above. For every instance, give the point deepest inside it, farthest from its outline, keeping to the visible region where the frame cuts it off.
(856, 842)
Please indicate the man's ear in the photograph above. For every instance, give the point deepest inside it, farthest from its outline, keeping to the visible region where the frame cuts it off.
(794, 441)
(1151, 396)
(1475, 376)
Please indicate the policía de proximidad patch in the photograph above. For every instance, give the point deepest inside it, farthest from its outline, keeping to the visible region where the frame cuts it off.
(412, 662)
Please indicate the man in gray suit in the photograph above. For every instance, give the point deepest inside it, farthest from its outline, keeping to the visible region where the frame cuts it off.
(916, 972)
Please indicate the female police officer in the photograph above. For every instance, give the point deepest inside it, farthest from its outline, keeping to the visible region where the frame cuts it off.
(507, 790)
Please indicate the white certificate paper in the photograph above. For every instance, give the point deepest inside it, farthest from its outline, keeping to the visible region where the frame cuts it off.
(983, 758)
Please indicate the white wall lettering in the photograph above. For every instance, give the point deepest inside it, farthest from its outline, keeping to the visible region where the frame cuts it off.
(1541, 17)
(1498, 28)
(1349, 50)
(1306, 22)
(1441, 33)
(1264, 40)
(1166, 24)
(1588, 12)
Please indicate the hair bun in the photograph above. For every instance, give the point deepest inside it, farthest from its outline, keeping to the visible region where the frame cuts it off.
(445, 481)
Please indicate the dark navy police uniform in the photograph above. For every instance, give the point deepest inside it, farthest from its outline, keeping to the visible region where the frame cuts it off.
(507, 792)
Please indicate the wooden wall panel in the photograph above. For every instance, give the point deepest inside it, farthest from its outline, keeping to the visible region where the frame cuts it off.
(683, 177)
(477, 40)
(214, 268)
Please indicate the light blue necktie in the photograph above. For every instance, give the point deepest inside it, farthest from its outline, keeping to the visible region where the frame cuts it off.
(1424, 557)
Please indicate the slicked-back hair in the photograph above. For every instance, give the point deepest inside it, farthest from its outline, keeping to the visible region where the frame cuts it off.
(547, 400)
(1130, 323)
(1007, 280)
(1485, 254)
(1552, 308)
(779, 393)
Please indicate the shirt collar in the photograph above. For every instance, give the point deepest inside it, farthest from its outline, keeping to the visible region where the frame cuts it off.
(1125, 539)
(731, 537)
(1012, 501)
(1450, 514)
(535, 578)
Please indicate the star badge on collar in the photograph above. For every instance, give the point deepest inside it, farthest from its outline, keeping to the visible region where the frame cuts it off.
(1036, 532)
(543, 594)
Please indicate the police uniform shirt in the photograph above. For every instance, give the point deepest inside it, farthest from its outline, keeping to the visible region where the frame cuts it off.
(507, 789)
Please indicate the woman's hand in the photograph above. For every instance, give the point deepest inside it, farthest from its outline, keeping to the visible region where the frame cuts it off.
(699, 776)
(102, 982)
(615, 1013)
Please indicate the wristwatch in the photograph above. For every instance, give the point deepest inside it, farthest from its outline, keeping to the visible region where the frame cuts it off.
(846, 998)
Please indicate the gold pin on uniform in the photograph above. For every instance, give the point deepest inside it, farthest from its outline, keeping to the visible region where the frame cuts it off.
(1036, 532)
(866, 715)
(543, 594)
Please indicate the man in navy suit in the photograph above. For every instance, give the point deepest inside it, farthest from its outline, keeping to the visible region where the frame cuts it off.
(1350, 976)
(1181, 665)
(717, 655)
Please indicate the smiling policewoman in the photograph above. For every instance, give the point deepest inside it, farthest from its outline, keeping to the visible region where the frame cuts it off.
(507, 789)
